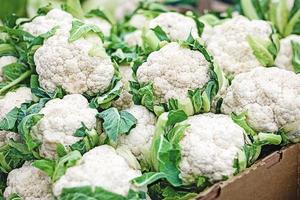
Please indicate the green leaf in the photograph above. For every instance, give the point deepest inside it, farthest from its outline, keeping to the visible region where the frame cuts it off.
(161, 34)
(90, 140)
(143, 94)
(10, 119)
(7, 50)
(241, 120)
(296, 56)
(80, 29)
(99, 13)
(176, 116)
(47, 166)
(13, 71)
(14, 196)
(148, 178)
(74, 8)
(117, 123)
(249, 9)
(81, 132)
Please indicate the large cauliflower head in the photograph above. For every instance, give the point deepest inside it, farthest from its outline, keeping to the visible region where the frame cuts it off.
(62, 117)
(174, 70)
(270, 96)
(285, 54)
(101, 167)
(14, 99)
(29, 183)
(229, 46)
(209, 147)
(125, 99)
(70, 65)
(175, 25)
(138, 141)
(6, 60)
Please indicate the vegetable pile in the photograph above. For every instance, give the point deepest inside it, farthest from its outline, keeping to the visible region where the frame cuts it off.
(139, 101)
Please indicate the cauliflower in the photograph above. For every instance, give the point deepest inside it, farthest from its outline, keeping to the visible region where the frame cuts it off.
(175, 25)
(62, 117)
(134, 38)
(14, 99)
(209, 147)
(169, 73)
(138, 141)
(229, 45)
(125, 99)
(100, 167)
(29, 183)
(6, 60)
(285, 55)
(74, 66)
(5, 136)
(270, 96)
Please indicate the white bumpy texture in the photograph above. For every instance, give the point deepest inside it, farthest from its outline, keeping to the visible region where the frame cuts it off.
(174, 70)
(209, 147)
(270, 96)
(101, 167)
(228, 44)
(62, 117)
(29, 183)
(5, 136)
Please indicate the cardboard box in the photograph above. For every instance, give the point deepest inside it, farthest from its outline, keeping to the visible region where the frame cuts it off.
(275, 177)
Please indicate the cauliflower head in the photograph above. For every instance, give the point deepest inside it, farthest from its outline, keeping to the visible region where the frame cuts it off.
(29, 183)
(270, 96)
(285, 54)
(174, 70)
(229, 46)
(14, 99)
(6, 60)
(125, 99)
(101, 167)
(209, 147)
(138, 141)
(175, 25)
(62, 117)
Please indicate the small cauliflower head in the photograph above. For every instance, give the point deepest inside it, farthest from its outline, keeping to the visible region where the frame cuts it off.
(125, 99)
(29, 183)
(209, 147)
(174, 70)
(229, 46)
(175, 25)
(62, 117)
(138, 141)
(100, 167)
(270, 96)
(6, 60)
(285, 54)
(14, 99)
(5, 136)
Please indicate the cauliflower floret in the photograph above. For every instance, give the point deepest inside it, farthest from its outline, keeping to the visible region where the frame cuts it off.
(285, 54)
(29, 183)
(62, 117)
(134, 38)
(229, 46)
(125, 99)
(5, 136)
(101, 167)
(138, 141)
(14, 99)
(6, 60)
(271, 97)
(71, 66)
(175, 25)
(139, 21)
(209, 147)
(43, 24)
(174, 70)
(104, 25)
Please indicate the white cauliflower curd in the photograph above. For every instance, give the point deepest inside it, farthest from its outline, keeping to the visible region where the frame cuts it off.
(62, 117)
(14, 99)
(209, 147)
(100, 167)
(29, 183)
(228, 43)
(175, 25)
(138, 141)
(174, 70)
(285, 55)
(271, 98)
(5, 136)
(5, 60)
(81, 66)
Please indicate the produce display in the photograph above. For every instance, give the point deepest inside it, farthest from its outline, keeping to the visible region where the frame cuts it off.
(133, 100)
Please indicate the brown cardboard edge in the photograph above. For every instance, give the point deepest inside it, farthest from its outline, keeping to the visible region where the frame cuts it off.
(274, 158)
